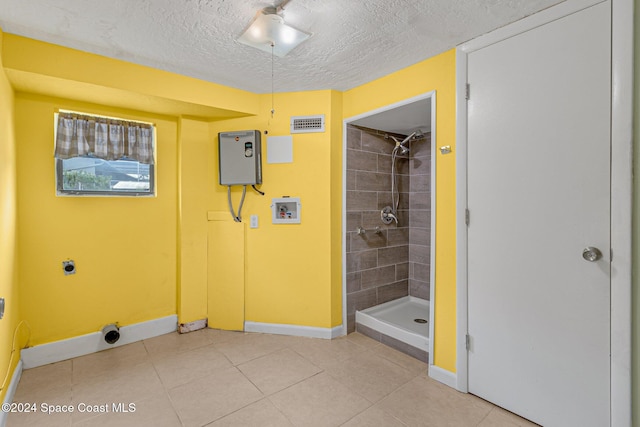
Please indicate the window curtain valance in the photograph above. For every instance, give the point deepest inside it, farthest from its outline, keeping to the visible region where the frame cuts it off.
(109, 139)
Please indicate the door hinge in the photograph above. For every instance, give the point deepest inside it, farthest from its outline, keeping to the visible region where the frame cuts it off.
(467, 342)
(466, 216)
(467, 93)
(611, 255)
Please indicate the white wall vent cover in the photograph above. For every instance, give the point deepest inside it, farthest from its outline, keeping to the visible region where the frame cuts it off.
(307, 124)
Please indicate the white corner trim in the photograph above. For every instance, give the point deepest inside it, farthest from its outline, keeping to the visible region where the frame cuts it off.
(11, 391)
(91, 343)
(622, 39)
(461, 227)
(442, 375)
(294, 330)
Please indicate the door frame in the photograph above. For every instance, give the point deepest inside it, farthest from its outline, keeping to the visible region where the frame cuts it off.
(431, 95)
(621, 190)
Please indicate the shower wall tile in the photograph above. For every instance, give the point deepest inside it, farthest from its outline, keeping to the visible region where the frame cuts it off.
(420, 165)
(420, 218)
(362, 160)
(351, 322)
(378, 276)
(404, 184)
(362, 299)
(420, 201)
(363, 260)
(398, 236)
(361, 200)
(420, 236)
(419, 289)
(372, 181)
(384, 199)
(403, 217)
(354, 282)
(419, 272)
(402, 271)
(405, 348)
(421, 147)
(351, 180)
(402, 164)
(419, 254)
(376, 143)
(420, 183)
(371, 220)
(368, 240)
(354, 219)
(371, 333)
(393, 291)
(384, 163)
(393, 255)
(353, 138)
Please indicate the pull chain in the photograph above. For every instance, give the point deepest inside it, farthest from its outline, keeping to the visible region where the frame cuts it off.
(272, 74)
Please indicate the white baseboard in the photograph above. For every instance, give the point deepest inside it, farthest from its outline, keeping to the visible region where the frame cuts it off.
(86, 344)
(295, 330)
(442, 375)
(11, 391)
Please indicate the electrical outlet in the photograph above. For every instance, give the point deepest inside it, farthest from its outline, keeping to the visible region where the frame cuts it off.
(254, 221)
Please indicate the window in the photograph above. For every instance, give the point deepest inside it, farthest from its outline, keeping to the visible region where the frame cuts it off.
(103, 156)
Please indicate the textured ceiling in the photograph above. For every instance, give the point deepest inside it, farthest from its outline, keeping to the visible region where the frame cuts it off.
(353, 41)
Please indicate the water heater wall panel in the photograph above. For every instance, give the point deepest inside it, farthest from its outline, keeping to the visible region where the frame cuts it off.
(240, 158)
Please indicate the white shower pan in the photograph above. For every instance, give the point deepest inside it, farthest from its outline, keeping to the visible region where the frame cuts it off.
(397, 319)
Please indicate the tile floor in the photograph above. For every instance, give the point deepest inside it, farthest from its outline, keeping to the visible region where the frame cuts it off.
(217, 378)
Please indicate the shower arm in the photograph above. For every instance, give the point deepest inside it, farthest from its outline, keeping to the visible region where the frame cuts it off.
(404, 142)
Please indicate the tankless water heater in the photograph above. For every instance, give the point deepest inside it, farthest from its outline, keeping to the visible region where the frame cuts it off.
(240, 157)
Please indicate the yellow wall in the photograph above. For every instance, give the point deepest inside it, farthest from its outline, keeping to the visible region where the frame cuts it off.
(194, 186)
(59, 71)
(437, 73)
(289, 275)
(336, 207)
(124, 248)
(9, 350)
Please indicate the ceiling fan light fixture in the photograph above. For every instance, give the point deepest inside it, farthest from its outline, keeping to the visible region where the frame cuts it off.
(269, 31)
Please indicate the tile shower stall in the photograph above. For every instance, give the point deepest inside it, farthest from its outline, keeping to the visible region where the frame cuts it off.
(391, 261)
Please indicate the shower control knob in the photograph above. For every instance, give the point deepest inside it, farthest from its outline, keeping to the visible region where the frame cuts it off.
(591, 254)
(387, 216)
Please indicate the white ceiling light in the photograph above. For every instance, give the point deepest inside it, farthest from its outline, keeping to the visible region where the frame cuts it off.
(268, 32)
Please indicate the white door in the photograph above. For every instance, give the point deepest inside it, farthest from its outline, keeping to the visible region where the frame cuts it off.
(538, 194)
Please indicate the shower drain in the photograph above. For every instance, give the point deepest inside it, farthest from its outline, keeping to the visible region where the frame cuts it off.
(420, 320)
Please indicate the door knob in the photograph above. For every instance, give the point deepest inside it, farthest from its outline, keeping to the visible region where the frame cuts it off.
(591, 254)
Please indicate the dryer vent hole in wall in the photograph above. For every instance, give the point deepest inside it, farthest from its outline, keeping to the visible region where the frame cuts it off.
(111, 333)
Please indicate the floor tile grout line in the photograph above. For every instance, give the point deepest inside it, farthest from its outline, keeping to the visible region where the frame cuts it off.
(485, 416)
(173, 406)
(287, 387)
